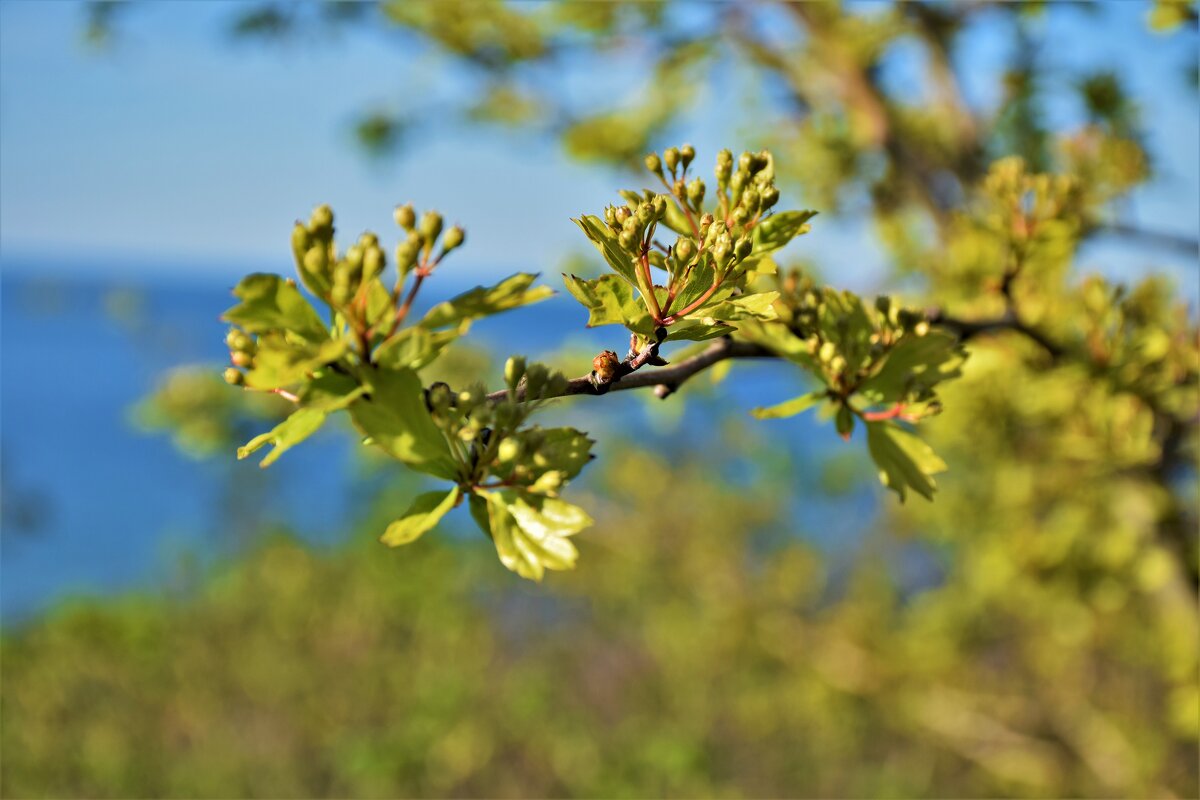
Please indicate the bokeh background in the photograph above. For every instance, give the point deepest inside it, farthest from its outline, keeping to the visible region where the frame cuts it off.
(760, 618)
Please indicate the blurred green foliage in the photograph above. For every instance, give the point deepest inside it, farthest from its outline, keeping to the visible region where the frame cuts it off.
(707, 651)
(1033, 633)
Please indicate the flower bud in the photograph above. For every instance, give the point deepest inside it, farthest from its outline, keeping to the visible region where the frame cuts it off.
(654, 164)
(610, 216)
(721, 249)
(514, 370)
(354, 257)
(237, 340)
(605, 365)
(743, 247)
(316, 260)
(233, 377)
(705, 223)
(240, 358)
(431, 227)
(300, 240)
(628, 240)
(508, 451)
(659, 204)
(645, 214)
(750, 201)
(740, 216)
(686, 154)
(406, 256)
(623, 213)
(746, 163)
(883, 304)
(535, 380)
(373, 263)
(695, 192)
(453, 238)
(770, 196)
(684, 250)
(724, 167)
(671, 158)
(439, 398)
(405, 216)
(321, 222)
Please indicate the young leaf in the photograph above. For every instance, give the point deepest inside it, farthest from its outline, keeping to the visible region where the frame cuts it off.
(610, 301)
(606, 242)
(424, 513)
(904, 460)
(280, 362)
(512, 292)
(396, 419)
(322, 397)
(293, 430)
(929, 359)
(416, 347)
(789, 408)
(778, 229)
(271, 303)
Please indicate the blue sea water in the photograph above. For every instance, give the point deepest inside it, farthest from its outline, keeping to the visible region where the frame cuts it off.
(93, 505)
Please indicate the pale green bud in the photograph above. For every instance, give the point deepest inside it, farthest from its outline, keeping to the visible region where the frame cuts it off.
(623, 213)
(610, 216)
(743, 248)
(316, 260)
(770, 196)
(405, 216)
(695, 192)
(686, 154)
(514, 370)
(750, 201)
(654, 164)
(301, 239)
(628, 240)
(453, 238)
(724, 167)
(631, 225)
(406, 256)
(233, 377)
(508, 451)
(659, 204)
(671, 158)
(374, 263)
(684, 250)
(746, 163)
(321, 222)
(645, 213)
(431, 227)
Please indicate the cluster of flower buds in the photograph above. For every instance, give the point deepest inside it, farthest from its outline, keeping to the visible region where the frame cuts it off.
(242, 348)
(748, 191)
(422, 238)
(635, 222)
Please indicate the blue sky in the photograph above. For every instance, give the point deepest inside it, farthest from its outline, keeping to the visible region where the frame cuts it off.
(177, 150)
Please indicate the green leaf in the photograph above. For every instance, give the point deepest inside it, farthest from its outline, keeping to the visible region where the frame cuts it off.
(779, 339)
(904, 460)
(416, 347)
(396, 419)
(512, 292)
(760, 306)
(610, 301)
(606, 242)
(281, 361)
(424, 513)
(379, 302)
(271, 303)
(778, 229)
(293, 430)
(927, 359)
(564, 449)
(789, 408)
(321, 398)
(695, 330)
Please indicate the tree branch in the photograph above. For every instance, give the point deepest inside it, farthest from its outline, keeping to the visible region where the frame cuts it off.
(968, 329)
(665, 380)
(1185, 245)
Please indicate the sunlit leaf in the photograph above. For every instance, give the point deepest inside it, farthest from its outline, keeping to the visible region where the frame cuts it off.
(424, 513)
